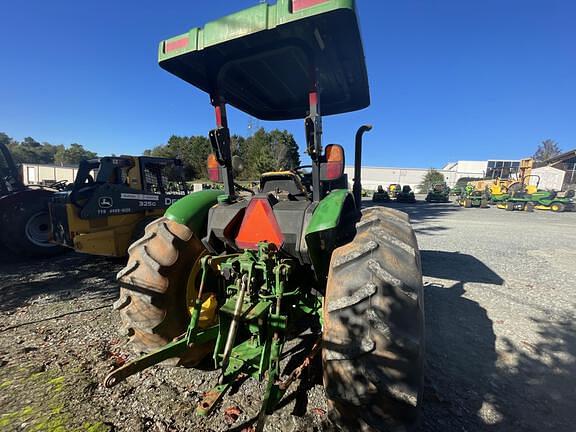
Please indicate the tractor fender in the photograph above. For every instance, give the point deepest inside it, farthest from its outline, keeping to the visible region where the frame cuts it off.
(324, 231)
(192, 210)
(17, 198)
(327, 214)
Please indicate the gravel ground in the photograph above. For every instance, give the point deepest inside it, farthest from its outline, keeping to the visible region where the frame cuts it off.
(501, 339)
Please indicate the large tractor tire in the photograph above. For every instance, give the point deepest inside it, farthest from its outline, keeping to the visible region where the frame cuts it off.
(373, 337)
(25, 229)
(163, 268)
(557, 207)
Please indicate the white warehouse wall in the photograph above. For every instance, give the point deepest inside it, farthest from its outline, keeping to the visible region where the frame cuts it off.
(374, 176)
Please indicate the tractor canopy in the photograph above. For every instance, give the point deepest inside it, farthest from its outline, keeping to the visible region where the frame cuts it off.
(266, 59)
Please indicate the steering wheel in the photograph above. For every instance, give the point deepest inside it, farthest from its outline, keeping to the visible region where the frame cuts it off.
(59, 184)
(298, 169)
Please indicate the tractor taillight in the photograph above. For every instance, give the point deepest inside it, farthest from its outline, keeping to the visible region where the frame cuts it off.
(298, 5)
(334, 162)
(176, 44)
(213, 166)
(259, 225)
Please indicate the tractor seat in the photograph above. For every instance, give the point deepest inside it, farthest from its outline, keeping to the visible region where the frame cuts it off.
(282, 181)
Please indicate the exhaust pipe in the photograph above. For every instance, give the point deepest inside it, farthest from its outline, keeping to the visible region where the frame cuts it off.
(357, 187)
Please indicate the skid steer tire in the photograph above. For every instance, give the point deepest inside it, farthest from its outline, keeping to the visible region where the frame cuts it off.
(373, 336)
(153, 301)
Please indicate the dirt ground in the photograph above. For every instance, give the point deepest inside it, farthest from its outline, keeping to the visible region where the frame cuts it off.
(501, 339)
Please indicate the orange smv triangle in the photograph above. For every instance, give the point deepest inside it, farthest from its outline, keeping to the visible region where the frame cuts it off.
(259, 225)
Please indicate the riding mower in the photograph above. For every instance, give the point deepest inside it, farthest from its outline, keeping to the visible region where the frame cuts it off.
(380, 195)
(502, 190)
(233, 275)
(439, 193)
(406, 195)
(541, 200)
(473, 198)
(104, 215)
(394, 189)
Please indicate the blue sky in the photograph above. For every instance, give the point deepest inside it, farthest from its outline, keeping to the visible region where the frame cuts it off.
(449, 79)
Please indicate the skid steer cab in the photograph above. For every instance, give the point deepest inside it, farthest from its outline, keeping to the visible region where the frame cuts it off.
(112, 200)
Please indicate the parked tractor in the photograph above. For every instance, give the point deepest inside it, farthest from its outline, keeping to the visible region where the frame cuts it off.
(380, 195)
(439, 192)
(406, 195)
(233, 275)
(472, 197)
(541, 200)
(24, 220)
(394, 189)
(105, 214)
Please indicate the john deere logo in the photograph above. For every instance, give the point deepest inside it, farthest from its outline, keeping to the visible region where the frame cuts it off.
(105, 202)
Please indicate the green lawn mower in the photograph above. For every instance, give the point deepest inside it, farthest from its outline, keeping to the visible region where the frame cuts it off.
(439, 193)
(406, 195)
(380, 195)
(394, 189)
(473, 198)
(541, 200)
(230, 276)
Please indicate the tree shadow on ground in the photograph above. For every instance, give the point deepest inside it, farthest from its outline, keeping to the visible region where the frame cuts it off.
(46, 280)
(536, 391)
(473, 385)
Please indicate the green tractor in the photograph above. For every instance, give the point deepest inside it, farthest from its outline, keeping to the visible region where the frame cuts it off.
(380, 195)
(541, 200)
(438, 193)
(472, 198)
(406, 195)
(234, 275)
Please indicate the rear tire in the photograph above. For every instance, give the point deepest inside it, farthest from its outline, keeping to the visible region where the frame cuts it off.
(529, 207)
(153, 302)
(26, 228)
(509, 206)
(373, 338)
(557, 207)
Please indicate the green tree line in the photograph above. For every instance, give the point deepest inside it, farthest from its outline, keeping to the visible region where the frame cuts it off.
(264, 151)
(31, 151)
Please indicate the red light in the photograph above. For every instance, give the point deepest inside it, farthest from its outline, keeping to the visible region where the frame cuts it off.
(334, 161)
(174, 45)
(259, 224)
(213, 168)
(303, 4)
